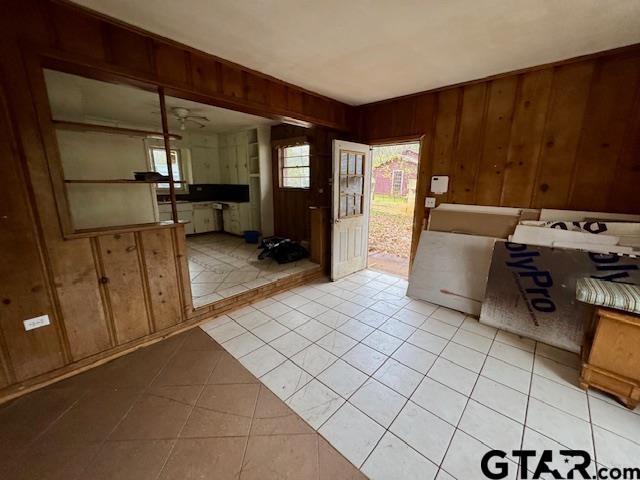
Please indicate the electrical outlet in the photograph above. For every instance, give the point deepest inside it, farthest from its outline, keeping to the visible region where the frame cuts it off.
(430, 202)
(36, 322)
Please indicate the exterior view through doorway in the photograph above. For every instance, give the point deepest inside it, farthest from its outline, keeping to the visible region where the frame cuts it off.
(393, 191)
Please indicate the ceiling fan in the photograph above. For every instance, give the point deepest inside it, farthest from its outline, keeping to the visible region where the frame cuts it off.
(183, 115)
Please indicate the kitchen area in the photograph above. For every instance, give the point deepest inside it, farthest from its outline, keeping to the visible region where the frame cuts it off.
(115, 174)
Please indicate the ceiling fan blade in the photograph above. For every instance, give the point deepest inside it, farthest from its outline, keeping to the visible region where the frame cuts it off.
(200, 125)
(202, 118)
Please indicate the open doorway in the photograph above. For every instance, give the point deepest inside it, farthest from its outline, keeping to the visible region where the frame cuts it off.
(393, 190)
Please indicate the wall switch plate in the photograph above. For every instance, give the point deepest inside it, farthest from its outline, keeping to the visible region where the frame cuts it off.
(430, 202)
(36, 322)
(439, 184)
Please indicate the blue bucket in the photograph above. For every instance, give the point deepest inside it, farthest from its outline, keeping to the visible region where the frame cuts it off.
(251, 236)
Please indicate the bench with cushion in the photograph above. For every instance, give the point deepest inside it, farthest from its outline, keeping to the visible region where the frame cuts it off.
(611, 351)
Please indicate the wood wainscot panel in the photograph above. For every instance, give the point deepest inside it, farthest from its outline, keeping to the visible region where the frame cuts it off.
(162, 276)
(77, 281)
(124, 285)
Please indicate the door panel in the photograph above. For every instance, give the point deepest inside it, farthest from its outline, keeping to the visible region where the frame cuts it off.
(351, 203)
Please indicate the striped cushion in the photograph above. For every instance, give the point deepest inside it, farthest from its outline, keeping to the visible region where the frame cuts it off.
(609, 294)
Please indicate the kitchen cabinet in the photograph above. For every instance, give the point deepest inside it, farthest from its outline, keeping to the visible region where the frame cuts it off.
(236, 217)
(202, 216)
(185, 214)
(234, 157)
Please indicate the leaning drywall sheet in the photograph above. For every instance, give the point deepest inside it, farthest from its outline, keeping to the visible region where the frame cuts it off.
(531, 290)
(451, 270)
(629, 232)
(473, 223)
(549, 236)
(579, 216)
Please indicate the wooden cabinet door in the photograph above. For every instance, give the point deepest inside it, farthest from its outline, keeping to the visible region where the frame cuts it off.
(242, 161)
(202, 219)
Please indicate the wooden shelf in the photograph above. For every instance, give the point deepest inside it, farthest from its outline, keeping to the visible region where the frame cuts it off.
(122, 180)
(89, 127)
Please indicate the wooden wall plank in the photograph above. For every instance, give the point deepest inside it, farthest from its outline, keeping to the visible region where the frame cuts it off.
(256, 88)
(526, 135)
(172, 64)
(129, 50)
(124, 285)
(232, 83)
(277, 95)
(206, 74)
(466, 157)
(495, 145)
(423, 114)
(160, 265)
(623, 193)
(446, 127)
(567, 105)
(294, 100)
(24, 286)
(76, 33)
(606, 123)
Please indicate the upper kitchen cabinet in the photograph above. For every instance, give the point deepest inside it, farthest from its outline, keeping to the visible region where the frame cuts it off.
(235, 148)
(205, 158)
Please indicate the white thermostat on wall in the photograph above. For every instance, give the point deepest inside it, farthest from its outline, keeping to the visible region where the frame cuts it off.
(439, 184)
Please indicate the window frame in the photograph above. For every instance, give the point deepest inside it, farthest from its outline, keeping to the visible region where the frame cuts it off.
(281, 150)
(180, 188)
(393, 182)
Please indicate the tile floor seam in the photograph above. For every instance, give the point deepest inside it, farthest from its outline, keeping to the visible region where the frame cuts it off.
(106, 439)
(457, 427)
(246, 443)
(526, 410)
(193, 407)
(56, 420)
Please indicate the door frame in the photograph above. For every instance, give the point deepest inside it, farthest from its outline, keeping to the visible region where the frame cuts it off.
(419, 209)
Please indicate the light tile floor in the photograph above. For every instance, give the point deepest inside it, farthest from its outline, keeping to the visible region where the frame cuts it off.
(406, 389)
(222, 265)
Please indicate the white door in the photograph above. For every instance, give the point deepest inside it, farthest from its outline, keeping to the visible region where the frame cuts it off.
(350, 211)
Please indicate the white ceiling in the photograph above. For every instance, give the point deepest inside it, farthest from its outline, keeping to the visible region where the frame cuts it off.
(80, 99)
(360, 51)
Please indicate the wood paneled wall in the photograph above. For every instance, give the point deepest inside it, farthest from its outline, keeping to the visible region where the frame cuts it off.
(291, 206)
(562, 136)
